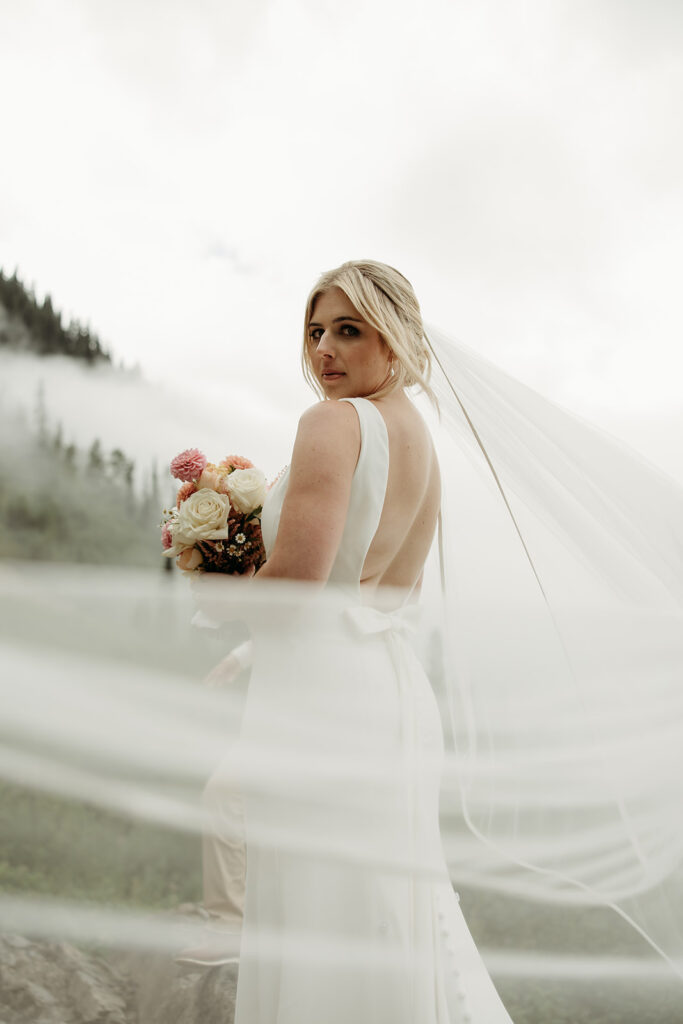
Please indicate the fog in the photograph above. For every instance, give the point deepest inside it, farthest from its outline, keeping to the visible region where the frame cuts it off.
(179, 176)
(149, 420)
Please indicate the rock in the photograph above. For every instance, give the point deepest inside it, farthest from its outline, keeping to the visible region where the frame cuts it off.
(58, 983)
(55, 983)
(17, 941)
(92, 1001)
(168, 994)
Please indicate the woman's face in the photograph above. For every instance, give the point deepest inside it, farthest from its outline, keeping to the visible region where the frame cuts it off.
(348, 356)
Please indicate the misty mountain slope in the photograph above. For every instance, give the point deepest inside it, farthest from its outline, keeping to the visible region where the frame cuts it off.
(33, 326)
(59, 503)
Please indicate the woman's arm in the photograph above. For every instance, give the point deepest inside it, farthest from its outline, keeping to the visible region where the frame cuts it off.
(230, 667)
(314, 510)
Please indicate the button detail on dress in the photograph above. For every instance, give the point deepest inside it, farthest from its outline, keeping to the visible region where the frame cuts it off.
(462, 1015)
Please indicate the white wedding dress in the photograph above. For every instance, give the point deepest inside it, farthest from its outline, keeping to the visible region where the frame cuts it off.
(350, 915)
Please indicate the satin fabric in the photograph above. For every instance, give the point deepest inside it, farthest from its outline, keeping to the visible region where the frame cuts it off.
(349, 910)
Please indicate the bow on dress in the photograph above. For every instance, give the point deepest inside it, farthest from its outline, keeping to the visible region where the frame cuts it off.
(369, 620)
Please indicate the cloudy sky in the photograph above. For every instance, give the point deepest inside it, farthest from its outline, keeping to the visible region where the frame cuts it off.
(178, 172)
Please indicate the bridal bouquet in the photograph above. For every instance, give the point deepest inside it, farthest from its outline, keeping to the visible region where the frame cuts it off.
(216, 523)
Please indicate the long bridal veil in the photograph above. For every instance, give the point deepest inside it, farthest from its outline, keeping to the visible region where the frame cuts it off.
(562, 572)
(552, 634)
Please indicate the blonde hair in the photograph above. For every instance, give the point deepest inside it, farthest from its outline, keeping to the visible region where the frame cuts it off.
(385, 299)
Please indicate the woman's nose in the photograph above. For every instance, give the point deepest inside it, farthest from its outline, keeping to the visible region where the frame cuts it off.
(325, 344)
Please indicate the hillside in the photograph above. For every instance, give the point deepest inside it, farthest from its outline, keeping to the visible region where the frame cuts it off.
(33, 326)
(60, 501)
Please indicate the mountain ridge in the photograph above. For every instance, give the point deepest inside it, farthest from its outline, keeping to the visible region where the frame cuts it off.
(32, 326)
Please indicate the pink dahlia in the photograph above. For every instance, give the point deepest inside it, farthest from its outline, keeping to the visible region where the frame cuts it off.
(189, 465)
(184, 491)
(236, 462)
(166, 538)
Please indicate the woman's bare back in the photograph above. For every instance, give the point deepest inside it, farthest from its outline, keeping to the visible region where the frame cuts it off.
(406, 528)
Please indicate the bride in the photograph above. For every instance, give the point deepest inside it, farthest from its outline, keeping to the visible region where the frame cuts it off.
(539, 762)
(510, 718)
(349, 913)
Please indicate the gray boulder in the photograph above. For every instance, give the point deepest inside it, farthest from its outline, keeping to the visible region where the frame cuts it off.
(56, 983)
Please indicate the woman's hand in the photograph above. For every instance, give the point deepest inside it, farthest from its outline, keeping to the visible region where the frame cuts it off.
(224, 673)
(227, 670)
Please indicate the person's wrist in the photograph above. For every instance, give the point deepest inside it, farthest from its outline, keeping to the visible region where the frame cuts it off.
(242, 654)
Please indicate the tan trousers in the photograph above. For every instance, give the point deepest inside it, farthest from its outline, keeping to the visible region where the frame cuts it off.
(224, 858)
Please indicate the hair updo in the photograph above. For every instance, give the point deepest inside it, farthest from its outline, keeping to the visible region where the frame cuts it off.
(385, 299)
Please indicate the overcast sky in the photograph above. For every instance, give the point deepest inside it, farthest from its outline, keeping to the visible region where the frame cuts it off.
(178, 173)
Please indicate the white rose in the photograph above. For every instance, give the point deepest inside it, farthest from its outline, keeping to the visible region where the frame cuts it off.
(202, 516)
(247, 489)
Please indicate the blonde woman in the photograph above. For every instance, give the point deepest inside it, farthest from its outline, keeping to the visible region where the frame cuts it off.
(349, 913)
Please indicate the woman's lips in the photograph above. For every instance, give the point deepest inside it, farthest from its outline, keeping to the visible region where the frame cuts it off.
(332, 375)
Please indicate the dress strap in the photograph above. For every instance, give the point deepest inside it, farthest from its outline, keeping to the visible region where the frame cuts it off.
(368, 490)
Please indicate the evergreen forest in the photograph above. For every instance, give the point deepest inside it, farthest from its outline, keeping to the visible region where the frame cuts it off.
(58, 501)
(26, 323)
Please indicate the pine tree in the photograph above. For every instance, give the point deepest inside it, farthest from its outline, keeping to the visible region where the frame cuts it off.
(116, 460)
(70, 457)
(50, 325)
(58, 439)
(41, 413)
(154, 492)
(47, 335)
(95, 458)
(130, 471)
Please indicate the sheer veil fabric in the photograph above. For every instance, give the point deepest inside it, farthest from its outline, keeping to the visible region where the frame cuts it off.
(349, 910)
(518, 737)
(562, 575)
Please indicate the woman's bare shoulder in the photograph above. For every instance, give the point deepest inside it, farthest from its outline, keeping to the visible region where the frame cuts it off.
(328, 437)
(331, 411)
(331, 425)
(314, 508)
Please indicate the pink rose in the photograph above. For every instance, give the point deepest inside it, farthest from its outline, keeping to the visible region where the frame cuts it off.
(210, 478)
(184, 492)
(189, 465)
(236, 462)
(166, 538)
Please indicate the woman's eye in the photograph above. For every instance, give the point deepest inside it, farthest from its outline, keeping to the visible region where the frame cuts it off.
(348, 330)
